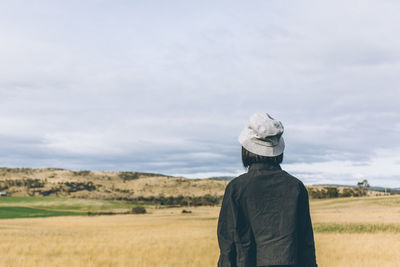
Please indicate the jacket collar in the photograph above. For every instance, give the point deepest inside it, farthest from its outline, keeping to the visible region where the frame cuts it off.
(264, 166)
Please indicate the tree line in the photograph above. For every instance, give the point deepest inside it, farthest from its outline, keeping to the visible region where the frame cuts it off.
(333, 191)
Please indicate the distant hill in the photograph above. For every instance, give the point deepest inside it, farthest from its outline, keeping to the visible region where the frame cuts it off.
(124, 185)
(103, 185)
(385, 189)
(371, 188)
(222, 178)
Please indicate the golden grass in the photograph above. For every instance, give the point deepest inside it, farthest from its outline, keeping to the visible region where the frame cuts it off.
(357, 210)
(161, 239)
(168, 238)
(358, 250)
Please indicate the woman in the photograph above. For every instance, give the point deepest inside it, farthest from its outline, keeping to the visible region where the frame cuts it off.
(264, 218)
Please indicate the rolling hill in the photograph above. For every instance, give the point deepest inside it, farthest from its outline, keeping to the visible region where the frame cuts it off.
(103, 185)
(126, 185)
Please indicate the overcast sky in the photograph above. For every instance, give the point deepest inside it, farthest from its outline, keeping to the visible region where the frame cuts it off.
(167, 86)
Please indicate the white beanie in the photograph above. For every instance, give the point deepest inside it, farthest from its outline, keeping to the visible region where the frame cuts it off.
(263, 135)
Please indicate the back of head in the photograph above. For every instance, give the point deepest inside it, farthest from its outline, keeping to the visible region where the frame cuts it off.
(249, 158)
(262, 140)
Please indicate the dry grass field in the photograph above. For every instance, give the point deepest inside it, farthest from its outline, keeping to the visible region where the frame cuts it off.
(349, 232)
(357, 231)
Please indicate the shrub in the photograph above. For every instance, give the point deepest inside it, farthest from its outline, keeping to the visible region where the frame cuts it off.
(186, 211)
(127, 176)
(347, 192)
(79, 186)
(138, 210)
(332, 192)
(326, 192)
(3, 186)
(81, 173)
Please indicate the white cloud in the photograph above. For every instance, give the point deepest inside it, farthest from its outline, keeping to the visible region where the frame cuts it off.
(168, 87)
(382, 169)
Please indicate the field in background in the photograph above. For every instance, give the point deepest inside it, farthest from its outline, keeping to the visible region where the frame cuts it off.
(348, 232)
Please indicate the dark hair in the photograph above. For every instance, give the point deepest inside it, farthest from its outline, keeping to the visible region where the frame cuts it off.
(249, 158)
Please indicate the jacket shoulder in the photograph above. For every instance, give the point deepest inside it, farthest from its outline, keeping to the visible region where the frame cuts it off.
(296, 181)
(236, 185)
(293, 178)
(240, 181)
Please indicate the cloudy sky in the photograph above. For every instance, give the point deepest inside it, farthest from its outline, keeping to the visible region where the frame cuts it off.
(167, 86)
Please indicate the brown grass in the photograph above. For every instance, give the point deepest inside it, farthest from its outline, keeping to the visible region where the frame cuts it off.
(357, 210)
(358, 250)
(166, 237)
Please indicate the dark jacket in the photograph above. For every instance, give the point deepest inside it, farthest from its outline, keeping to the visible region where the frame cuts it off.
(265, 220)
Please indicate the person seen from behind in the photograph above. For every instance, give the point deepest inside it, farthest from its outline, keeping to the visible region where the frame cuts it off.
(265, 218)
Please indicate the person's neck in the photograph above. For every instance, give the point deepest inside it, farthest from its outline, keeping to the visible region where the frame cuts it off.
(264, 166)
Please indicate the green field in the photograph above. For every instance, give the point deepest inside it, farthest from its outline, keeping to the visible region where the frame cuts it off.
(355, 228)
(25, 212)
(29, 207)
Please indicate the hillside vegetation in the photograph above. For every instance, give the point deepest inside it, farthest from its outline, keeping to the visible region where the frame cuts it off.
(146, 187)
(104, 185)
